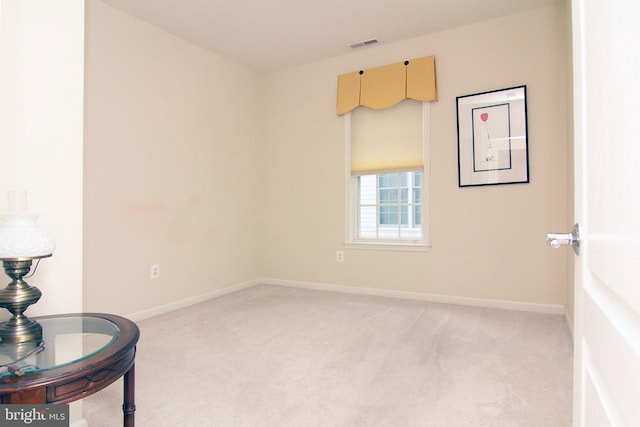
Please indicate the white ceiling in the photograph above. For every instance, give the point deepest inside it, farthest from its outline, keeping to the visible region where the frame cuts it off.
(267, 35)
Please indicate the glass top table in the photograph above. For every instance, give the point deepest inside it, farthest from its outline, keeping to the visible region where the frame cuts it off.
(79, 354)
(65, 341)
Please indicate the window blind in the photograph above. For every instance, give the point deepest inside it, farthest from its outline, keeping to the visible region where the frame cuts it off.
(387, 140)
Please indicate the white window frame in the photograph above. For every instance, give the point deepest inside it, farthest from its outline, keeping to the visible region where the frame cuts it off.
(351, 239)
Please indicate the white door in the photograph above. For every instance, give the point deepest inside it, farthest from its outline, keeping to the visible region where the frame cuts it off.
(607, 131)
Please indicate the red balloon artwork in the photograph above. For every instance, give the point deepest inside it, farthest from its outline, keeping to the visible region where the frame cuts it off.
(484, 116)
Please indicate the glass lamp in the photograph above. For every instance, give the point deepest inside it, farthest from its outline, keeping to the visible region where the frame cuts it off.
(21, 242)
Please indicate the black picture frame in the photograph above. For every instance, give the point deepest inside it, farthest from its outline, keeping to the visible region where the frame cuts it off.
(493, 140)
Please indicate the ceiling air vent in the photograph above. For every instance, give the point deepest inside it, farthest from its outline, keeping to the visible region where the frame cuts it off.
(364, 43)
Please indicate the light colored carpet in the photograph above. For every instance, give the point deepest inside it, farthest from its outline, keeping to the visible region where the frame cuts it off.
(276, 356)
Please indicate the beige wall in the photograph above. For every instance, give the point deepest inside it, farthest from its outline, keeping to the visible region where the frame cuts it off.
(41, 126)
(487, 242)
(221, 175)
(170, 167)
(41, 122)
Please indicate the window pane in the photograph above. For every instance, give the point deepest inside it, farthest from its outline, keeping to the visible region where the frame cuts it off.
(389, 206)
(388, 180)
(367, 189)
(417, 196)
(417, 179)
(388, 196)
(367, 222)
(388, 215)
(417, 215)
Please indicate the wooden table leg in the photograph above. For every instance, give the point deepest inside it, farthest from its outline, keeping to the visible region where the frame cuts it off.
(129, 406)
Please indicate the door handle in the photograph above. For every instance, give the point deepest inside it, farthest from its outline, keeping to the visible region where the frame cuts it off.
(555, 240)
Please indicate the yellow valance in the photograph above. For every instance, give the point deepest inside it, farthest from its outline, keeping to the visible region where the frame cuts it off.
(383, 87)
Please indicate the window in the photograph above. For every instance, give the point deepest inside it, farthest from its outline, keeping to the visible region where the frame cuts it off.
(387, 186)
(388, 206)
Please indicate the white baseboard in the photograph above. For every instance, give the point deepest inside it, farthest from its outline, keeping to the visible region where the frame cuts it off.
(419, 296)
(167, 308)
(446, 299)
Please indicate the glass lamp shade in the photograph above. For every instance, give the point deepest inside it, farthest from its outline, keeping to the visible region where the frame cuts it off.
(21, 238)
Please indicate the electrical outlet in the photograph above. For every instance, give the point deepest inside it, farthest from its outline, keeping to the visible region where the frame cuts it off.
(155, 271)
(340, 256)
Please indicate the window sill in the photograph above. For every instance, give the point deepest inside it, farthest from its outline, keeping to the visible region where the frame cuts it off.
(388, 246)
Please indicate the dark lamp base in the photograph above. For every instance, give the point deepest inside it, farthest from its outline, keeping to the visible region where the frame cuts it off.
(20, 330)
(16, 298)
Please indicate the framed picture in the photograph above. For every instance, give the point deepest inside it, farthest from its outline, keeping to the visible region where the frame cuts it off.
(492, 137)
